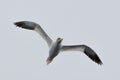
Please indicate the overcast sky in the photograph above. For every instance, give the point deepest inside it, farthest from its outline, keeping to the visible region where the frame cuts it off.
(95, 23)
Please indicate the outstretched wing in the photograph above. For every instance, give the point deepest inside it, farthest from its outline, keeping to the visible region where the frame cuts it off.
(87, 50)
(36, 27)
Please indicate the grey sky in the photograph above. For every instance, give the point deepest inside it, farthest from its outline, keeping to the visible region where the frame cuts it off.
(95, 23)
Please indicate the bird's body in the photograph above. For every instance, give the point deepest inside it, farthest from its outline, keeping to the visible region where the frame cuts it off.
(55, 47)
(53, 51)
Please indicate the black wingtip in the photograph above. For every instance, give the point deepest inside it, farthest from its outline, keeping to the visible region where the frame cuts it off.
(24, 25)
(92, 55)
(18, 23)
(101, 63)
(97, 60)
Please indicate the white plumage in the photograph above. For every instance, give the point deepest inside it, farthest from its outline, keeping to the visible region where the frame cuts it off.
(55, 46)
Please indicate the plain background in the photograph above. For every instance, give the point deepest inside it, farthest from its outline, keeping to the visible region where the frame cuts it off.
(95, 23)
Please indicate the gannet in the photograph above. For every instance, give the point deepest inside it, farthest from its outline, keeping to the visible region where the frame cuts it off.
(55, 47)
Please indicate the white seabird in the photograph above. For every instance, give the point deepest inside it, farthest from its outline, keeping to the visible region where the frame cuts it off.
(56, 47)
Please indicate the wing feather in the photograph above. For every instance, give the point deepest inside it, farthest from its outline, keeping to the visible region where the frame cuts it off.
(87, 50)
(34, 26)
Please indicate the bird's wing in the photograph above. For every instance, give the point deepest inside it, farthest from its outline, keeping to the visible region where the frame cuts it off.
(36, 27)
(87, 50)
(44, 35)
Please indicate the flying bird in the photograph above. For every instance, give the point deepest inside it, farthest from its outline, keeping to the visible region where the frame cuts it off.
(55, 47)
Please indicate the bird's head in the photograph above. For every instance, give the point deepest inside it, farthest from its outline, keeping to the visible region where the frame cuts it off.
(59, 40)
